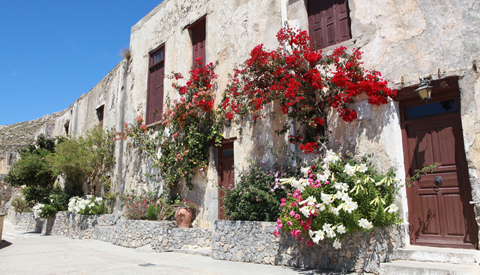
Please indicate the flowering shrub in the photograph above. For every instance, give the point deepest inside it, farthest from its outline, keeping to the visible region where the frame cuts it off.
(186, 130)
(336, 197)
(135, 206)
(41, 210)
(256, 196)
(146, 206)
(88, 206)
(304, 82)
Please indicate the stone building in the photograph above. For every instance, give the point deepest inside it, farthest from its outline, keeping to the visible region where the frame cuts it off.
(404, 39)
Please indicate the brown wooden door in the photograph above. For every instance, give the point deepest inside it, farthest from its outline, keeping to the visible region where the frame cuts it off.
(226, 174)
(439, 214)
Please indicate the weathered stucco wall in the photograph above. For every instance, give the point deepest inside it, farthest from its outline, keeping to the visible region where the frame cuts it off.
(403, 39)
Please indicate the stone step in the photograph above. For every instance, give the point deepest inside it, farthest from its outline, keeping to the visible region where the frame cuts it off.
(427, 268)
(439, 254)
(201, 251)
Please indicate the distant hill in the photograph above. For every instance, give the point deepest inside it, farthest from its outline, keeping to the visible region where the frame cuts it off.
(18, 135)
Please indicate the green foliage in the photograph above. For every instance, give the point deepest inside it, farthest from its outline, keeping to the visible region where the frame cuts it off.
(83, 159)
(257, 195)
(153, 212)
(418, 173)
(59, 198)
(33, 170)
(41, 210)
(20, 205)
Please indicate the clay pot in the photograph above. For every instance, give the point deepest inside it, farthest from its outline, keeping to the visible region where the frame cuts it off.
(183, 216)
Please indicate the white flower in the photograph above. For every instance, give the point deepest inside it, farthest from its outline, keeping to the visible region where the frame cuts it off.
(341, 229)
(350, 206)
(306, 210)
(309, 201)
(327, 227)
(305, 171)
(344, 196)
(328, 199)
(98, 199)
(363, 168)
(321, 207)
(338, 185)
(350, 170)
(322, 177)
(331, 233)
(327, 173)
(330, 157)
(365, 224)
(337, 244)
(319, 236)
(335, 211)
(392, 208)
(344, 187)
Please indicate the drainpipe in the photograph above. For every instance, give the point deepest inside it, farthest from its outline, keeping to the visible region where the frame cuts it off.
(283, 9)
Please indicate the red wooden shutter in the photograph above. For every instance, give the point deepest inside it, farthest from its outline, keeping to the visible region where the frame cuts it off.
(329, 22)
(198, 40)
(155, 86)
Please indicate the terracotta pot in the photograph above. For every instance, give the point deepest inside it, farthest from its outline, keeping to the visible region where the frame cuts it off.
(183, 216)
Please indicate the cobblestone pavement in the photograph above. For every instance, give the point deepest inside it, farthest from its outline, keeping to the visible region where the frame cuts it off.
(29, 253)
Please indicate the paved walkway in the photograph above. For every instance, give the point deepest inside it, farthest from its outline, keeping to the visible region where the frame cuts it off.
(30, 253)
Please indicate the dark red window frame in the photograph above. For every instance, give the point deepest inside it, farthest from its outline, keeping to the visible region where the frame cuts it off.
(155, 90)
(328, 22)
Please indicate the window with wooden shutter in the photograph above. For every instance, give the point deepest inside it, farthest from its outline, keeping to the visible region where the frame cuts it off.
(198, 34)
(100, 114)
(156, 75)
(329, 22)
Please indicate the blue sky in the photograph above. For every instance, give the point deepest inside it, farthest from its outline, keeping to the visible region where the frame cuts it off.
(51, 52)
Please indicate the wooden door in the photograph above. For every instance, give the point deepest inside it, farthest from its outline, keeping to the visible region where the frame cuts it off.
(439, 209)
(226, 174)
(198, 40)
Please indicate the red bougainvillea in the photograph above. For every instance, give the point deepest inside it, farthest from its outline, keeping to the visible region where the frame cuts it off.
(304, 82)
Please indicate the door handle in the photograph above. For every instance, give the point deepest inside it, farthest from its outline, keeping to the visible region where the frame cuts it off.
(438, 181)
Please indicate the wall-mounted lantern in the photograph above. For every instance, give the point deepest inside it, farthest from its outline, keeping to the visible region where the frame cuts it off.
(424, 90)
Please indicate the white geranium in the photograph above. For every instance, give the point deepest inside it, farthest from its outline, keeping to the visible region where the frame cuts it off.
(331, 233)
(317, 236)
(350, 206)
(322, 177)
(327, 227)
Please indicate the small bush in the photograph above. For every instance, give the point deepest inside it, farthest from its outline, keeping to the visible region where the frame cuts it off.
(135, 206)
(20, 205)
(153, 212)
(257, 195)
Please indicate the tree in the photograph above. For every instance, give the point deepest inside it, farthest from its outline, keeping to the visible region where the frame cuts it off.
(33, 170)
(84, 159)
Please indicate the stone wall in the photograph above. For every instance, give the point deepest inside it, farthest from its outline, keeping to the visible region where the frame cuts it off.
(245, 241)
(162, 236)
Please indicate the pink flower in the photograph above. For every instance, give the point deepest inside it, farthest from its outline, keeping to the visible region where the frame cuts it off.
(282, 205)
(297, 217)
(292, 213)
(309, 243)
(289, 223)
(280, 226)
(275, 233)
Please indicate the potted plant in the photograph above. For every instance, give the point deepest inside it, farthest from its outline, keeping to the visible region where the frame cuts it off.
(184, 213)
